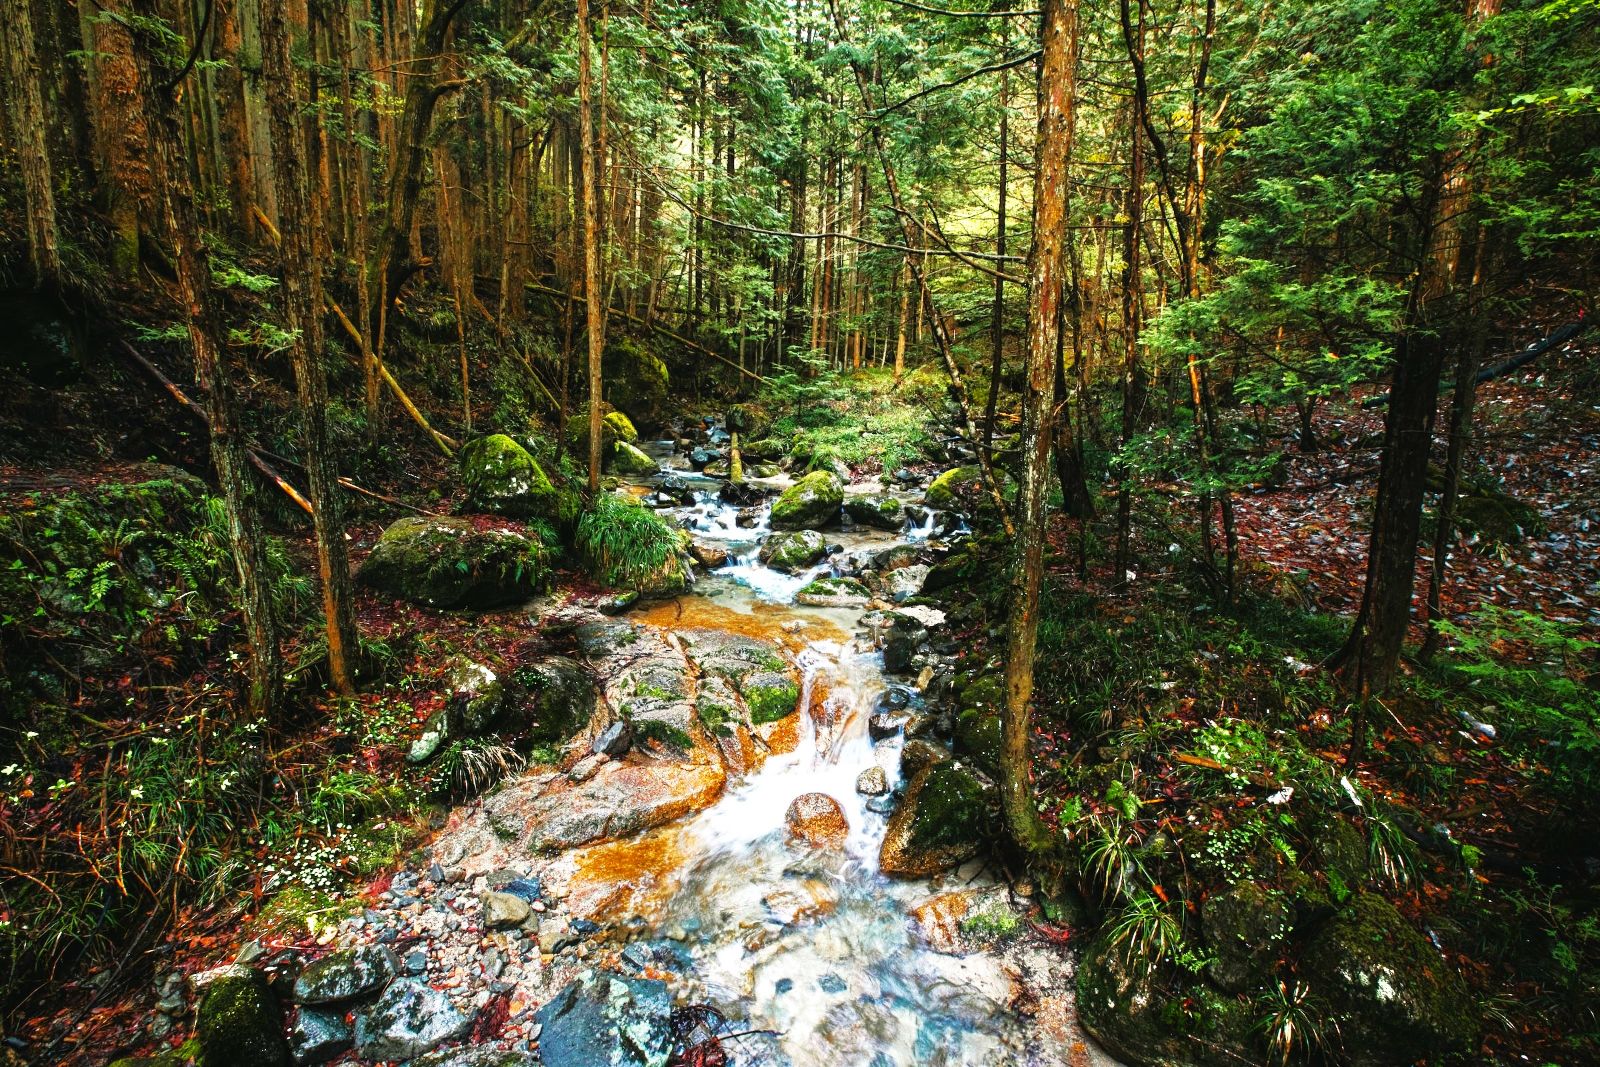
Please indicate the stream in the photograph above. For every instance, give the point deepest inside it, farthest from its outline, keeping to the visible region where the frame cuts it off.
(815, 950)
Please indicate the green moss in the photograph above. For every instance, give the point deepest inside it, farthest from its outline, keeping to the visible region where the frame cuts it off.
(977, 736)
(811, 502)
(993, 922)
(794, 551)
(952, 809)
(882, 512)
(945, 490)
(770, 697)
(626, 459)
(239, 1024)
(501, 477)
(450, 563)
(662, 733)
(832, 592)
(636, 379)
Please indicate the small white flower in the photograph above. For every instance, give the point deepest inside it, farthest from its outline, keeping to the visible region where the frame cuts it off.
(137, 792)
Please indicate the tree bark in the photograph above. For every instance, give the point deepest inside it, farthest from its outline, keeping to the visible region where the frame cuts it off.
(301, 285)
(594, 296)
(1057, 90)
(205, 332)
(997, 310)
(28, 130)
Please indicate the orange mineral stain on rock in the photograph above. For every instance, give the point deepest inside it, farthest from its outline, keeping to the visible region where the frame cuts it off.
(696, 612)
(620, 879)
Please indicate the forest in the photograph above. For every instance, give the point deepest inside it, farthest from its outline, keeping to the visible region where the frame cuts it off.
(790, 533)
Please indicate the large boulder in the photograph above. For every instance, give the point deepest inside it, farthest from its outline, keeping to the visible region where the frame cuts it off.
(791, 552)
(551, 699)
(319, 1035)
(240, 1024)
(833, 593)
(811, 503)
(1397, 1000)
(346, 975)
(409, 1019)
(502, 478)
(1151, 1015)
(818, 820)
(943, 821)
(614, 427)
(977, 737)
(454, 563)
(1246, 926)
(636, 381)
(947, 489)
(627, 459)
(607, 1019)
(883, 512)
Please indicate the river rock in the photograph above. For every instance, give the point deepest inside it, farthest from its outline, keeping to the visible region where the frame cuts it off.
(942, 821)
(475, 695)
(757, 669)
(239, 1023)
(502, 478)
(791, 552)
(613, 741)
(614, 427)
(319, 1035)
(950, 921)
(409, 1019)
(628, 459)
(903, 583)
(906, 632)
(872, 782)
(708, 555)
(502, 911)
(833, 593)
(886, 724)
(607, 1019)
(622, 799)
(346, 975)
(1397, 1000)
(548, 700)
(452, 563)
(882, 512)
(818, 820)
(636, 380)
(810, 503)
(918, 753)
(946, 490)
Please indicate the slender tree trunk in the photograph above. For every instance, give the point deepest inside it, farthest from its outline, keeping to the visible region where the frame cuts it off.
(593, 293)
(997, 310)
(25, 107)
(1132, 302)
(182, 225)
(1057, 90)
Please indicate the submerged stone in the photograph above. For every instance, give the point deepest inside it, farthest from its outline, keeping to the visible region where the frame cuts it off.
(942, 822)
(833, 593)
(607, 1019)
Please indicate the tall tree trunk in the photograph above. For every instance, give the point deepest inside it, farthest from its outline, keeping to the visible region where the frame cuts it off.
(302, 306)
(1132, 301)
(1057, 90)
(28, 131)
(182, 225)
(594, 295)
(997, 310)
(122, 176)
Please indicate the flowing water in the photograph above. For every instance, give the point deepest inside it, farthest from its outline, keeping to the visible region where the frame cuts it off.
(815, 948)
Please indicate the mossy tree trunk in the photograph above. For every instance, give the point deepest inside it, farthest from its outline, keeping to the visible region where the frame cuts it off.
(302, 305)
(182, 225)
(25, 108)
(594, 295)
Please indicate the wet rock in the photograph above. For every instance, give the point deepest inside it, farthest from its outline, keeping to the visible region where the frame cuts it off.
(800, 900)
(475, 696)
(676, 490)
(791, 552)
(626, 459)
(614, 427)
(1396, 999)
(701, 456)
(239, 1023)
(318, 1036)
(475, 1057)
(919, 753)
(977, 737)
(757, 669)
(833, 593)
(883, 805)
(409, 1019)
(906, 633)
(708, 555)
(1245, 925)
(613, 741)
(811, 503)
(502, 911)
(742, 493)
(952, 922)
(872, 782)
(818, 820)
(880, 512)
(895, 698)
(622, 799)
(886, 724)
(747, 518)
(946, 490)
(903, 583)
(502, 478)
(549, 700)
(452, 563)
(943, 821)
(607, 1019)
(346, 975)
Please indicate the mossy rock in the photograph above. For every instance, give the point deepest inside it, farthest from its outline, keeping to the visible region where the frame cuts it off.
(954, 570)
(502, 478)
(943, 821)
(947, 489)
(747, 420)
(240, 1025)
(810, 503)
(614, 427)
(880, 512)
(183, 1056)
(833, 593)
(636, 381)
(628, 460)
(977, 737)
(1246, 926)
(1155, 1016)
(551, 699)
(1397, 1000)
(791, 552)
(1497, 519)
(452, 563)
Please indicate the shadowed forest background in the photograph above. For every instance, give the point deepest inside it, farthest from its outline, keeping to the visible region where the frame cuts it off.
(457, 457)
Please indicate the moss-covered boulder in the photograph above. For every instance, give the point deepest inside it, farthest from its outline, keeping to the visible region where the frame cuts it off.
(947, 490)
(943, 821)
(880, 512)
(1155, 1016)
(811, 503)
(636, 381)
(1246, 925)
(455, 563)
(833, 593)
(977, 737)
(614, 427)
(791, 552)
(550, 700)
(240, 1023)
(502, 478)
(1497, 519)
(756, 669)
(628, 460)
(1397, 1000)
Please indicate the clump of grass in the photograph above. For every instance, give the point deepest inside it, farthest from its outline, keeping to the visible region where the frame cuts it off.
(1296, 1027)
(624, 543)
(468, 767)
